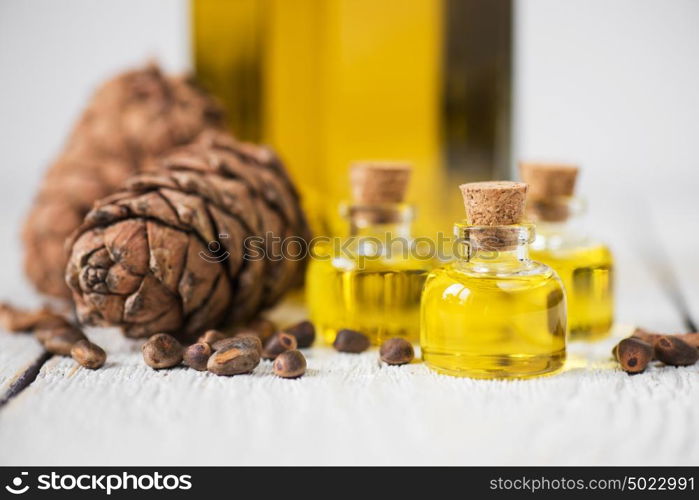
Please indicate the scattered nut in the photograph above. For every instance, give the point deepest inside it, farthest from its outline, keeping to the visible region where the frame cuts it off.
(690, 338)
(633, 354)
(304, 332)
(351, 341)
(88, 354)
(14, 319)
(246, 331)
(396, 351)
(265, 328)
(221, 344)
(678, 349)
(277, 344)
(197, 355)
(51, 321)
(233, 361)
(53, 327)
(290, 364)
(645, 335)
(60, 339)
(246, 340)
(162, 351)
(674, 351)
(211, 337)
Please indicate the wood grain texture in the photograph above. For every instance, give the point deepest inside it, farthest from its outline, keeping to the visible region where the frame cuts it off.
(675, 230)
(18, 352)
(640, 298)
(350, 409)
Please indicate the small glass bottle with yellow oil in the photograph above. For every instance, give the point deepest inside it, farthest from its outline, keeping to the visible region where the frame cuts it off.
(492, 312)
(585, 266)
(370, 280)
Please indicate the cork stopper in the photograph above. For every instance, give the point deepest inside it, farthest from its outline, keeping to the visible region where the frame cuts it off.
(496, 203)
(378, 183)
(551, 185)
(499, 204)
(549, 180)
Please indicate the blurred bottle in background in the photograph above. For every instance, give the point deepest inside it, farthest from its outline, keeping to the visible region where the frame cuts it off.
(330, 82)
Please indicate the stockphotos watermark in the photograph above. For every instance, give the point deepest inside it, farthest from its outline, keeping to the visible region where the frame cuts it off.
(275, 248)
(106, 483)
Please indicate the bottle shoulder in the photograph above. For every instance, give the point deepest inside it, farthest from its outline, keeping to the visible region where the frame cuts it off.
(564, 240)
(528, 271)
(452, 283)
(592, 253)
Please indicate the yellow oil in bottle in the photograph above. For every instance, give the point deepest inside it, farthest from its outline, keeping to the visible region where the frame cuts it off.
(493, 312)
(378, 297)
(370, 280)
(585, 266)
(489, 326)
(587, 274)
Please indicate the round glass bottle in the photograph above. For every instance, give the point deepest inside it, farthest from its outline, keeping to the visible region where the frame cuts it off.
(585, 266)
(493, 312)
(370, 280)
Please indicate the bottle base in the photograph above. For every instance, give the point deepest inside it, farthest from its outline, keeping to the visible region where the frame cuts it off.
(519, 366)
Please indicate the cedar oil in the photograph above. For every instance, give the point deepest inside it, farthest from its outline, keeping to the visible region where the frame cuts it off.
(370, 281)
(493, 313)
(586, 272)
(586, 267)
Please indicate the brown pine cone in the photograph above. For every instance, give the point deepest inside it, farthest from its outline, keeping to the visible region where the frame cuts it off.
(167, 253)
(130, 119)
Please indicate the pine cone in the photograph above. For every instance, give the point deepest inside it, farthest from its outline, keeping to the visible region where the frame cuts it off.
(130, 119)
(168, 253)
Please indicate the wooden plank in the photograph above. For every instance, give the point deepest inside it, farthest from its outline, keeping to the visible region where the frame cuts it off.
(20, 356)
(19, 352)
(674, 225)
(350, 409)
(640, 298)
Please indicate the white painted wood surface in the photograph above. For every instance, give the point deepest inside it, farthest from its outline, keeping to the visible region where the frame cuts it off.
(349, 409)
(676, 230)
(640, 300)
(17, 353)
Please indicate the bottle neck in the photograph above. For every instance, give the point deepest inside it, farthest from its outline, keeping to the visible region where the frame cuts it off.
(559, 222)
(494, 248)
(380, 230)
(506, 256)
(555, 210)
(379, 221)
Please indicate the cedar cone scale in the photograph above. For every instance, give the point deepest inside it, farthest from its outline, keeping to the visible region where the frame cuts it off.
(130, 120)
(168, 253)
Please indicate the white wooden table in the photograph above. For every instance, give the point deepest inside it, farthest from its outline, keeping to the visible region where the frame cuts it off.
(349, 409)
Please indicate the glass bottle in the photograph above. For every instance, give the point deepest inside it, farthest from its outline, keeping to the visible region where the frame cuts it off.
(370, 280)
(493, 312)
(327, 81)
(585, 266)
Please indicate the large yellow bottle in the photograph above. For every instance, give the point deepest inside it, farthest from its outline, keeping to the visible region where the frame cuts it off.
(328, 82)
